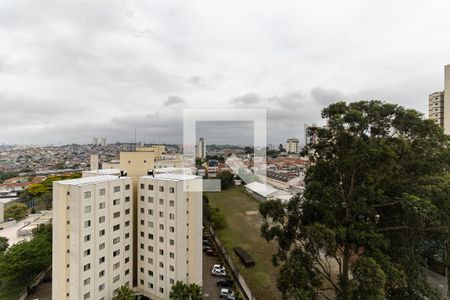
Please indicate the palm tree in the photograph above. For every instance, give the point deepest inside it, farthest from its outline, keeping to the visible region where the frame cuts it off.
(195, 291)
(182, 291)
(124, 293)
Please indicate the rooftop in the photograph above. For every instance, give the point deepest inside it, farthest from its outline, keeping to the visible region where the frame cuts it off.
(173, 176)
(90, 180)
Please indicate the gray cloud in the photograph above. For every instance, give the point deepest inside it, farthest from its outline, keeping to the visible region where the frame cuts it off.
(326, 96)
(290, 100)
(247, 99)
(174, 100)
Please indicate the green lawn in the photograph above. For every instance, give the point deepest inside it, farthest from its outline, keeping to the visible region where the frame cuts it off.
(244, 231)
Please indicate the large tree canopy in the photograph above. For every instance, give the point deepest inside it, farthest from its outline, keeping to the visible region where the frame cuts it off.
(377, 190)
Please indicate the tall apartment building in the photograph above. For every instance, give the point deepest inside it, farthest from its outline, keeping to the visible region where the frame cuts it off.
(292, 146)
(436, 108)
(439, 104)
(201, 148)
(169, 242)
(92, 237)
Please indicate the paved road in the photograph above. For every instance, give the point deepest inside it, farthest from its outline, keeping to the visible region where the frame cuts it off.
(210, 289)
(43, 292)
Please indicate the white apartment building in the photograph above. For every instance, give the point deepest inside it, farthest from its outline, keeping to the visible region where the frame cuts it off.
(92, 237)
(169, 233)
(201, 148)
(292, 146)
(439, 104)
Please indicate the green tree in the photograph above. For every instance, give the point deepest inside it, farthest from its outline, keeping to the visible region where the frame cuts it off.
(217, 218)
(124, 293)
(17, 211)
(182, 291)
(3, 244)
(226, 179)
(371, 201)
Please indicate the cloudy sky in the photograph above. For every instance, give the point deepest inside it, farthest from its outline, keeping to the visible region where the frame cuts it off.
(72, 70)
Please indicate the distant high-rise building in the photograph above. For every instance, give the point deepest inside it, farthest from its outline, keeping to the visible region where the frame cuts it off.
(94, 162)
(95, 141)
(201, 148)
(103, 142)
(439, 104)
(92, 237)
(292, 146)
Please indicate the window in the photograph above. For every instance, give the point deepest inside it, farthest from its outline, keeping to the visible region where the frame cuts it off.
(142, 222)
(150, 248)
(116, 240)
(142, 210)
(171, 242)
(101, 205)
(171, 281)
(101, 287)
(101, 232)
(87, 238)
(116, 202)
(161, 290)
(171, 203)
(171, 268)
(87, 224)
(127, 260)
(101, 273)
(102, 192)
(161, 252)
(172, 229)
(161, 189)
(127, 235)
(127, 187)
(127, 271)
(87, 252)
(172, 216)
(161, 277)
(87, 209)
(150, 236)
(142, 270)
(150, 285)
(161, 201)
(161, 265)
(127, 211)
(116, 278)
(142, 186)
(127, 247)
(116, 265)
(127, 199)
(115, 253)
(150, 273)
(116, 189)
(161, 239)
(87, 281)
(150, 187)
(142, 234)
(127, 223)
(142, 257)
(161, 226)
(101, 246)
(150, 224)
(101, 219)
(142, 246)
(171, 190)
(150, 212)
(172, 255)
(116, 227)
(150, 261)
(87, 267)
(150, 199)
(101, 260)
(87, 195)
(116, 214)
(161, 214)
(142, 198)
(87, 295)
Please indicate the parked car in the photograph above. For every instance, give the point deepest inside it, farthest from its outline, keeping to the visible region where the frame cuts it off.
(207, 243)
(211, 252)
(225, 283)
(226, 293)
(218, 272)
(218, 266)
(206, 248)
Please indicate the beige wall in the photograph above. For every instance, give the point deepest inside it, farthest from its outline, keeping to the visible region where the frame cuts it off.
(447, 100)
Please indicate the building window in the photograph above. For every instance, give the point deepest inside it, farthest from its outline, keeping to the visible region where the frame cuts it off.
(127, 187)
(171, 190)
(116, 214)
(142, 198)
(87, 295)
(150, 199)
(150, 212)
(171, 268)
(101, 219)
(101, 273)
(116, 189)
(142, 234)
(116, 265)
(116, 202)
(150, 224)
(142, 246)
(150, 187)
(171, 203)
(161, 265)
(161, 214)
(127, 259)
(101, 287)
(161, 277)
(127, 235)
(172, 229)
(172, 216)
(161, 239)
(161, 189)
(150, 236)
(150, 261)
(101, 205)
(87, 238)
(171, 242)
(171, 281)
(87, 252)
(161, 226)
(86, 281)
(142, 270)
(87, 267)
(161, 252)
(142, 222)
(142, 210)
(150, 248)
(116, 227)
(87, 224)
(101, 246)
(142, 186)
(115, 253)
(101, 232)
(127, 199)
(116, 278)
(87, 209)
(101, 260)
(161, 201)
(127, 247)
(172, 255)
(116, 240)
(127, 223)
(87, 195)
(102, 192)
(150, 285)
(127, 271)
(161, 290)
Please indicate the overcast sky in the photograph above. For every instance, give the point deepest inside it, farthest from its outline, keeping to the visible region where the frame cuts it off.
(72, 70)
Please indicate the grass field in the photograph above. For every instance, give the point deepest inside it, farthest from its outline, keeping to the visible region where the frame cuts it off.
(244, 231)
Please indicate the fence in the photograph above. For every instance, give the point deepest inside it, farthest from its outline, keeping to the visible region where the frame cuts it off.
(231, 265)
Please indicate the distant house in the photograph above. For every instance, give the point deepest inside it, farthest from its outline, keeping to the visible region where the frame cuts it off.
(201, 171)
(264, 192)
(283, 181)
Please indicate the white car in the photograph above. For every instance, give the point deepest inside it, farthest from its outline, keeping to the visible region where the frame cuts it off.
(222, 267)
(226, 293)
(218, 272)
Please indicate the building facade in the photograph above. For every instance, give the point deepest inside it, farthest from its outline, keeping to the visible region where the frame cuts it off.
(292, 146)
(436, 108)
(447, 100)
(92, 237)
(169, 241)
(201, 148)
